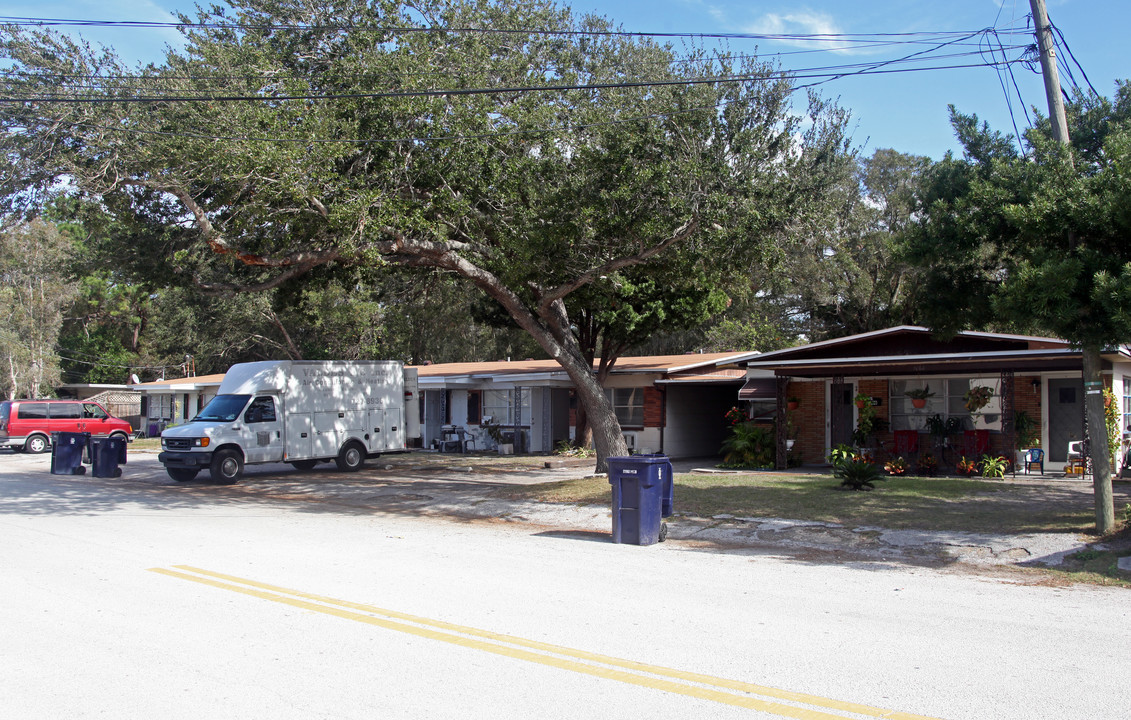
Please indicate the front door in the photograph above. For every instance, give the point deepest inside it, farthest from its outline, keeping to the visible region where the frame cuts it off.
(841, 414)
(1066, 416)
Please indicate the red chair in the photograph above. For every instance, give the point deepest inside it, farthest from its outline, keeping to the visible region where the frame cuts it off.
(906, 442)
(976, 443)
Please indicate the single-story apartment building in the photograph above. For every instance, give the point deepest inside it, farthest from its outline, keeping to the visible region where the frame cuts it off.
(174, 401)
(675, 404)
(1040, 377)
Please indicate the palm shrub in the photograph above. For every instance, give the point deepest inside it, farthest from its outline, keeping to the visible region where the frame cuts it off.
(749, 445)
(857, 473)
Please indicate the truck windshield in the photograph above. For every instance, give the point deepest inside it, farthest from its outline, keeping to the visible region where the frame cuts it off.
(223, 408)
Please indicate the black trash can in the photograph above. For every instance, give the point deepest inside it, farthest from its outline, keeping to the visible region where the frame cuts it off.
(67, 451)
(106, 454)
(639, 486)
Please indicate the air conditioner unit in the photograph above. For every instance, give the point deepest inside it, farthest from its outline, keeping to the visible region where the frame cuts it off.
(630, 439)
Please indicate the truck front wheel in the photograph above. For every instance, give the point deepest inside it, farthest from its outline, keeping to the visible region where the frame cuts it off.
(351, 458)
(226, 467)
(182, 474)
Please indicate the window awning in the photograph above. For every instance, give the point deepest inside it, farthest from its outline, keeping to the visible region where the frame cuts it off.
(765, 388)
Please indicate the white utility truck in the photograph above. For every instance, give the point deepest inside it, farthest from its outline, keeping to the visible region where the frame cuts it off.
(300, 412)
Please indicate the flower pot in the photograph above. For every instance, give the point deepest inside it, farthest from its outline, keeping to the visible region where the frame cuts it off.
(792, 405)
(919, 403)
(861, 404)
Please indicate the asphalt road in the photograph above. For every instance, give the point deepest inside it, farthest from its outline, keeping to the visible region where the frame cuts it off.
(139, 598)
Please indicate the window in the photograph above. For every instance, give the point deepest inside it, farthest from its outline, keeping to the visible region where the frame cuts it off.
(92, 411)
(66, 411)
(499, 406)
(161, 407)
(261, 409)
(1126, 403)
(948, 402)
(33, 411)
(628, 404)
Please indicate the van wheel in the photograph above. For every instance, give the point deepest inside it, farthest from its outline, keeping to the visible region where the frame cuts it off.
(226, 467)
(351, 458)
(304, 464)
(120, 436)
(36, 444)
(182, 474)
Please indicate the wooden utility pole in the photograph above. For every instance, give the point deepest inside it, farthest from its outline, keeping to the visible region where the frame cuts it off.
(1092, 372)
(1049, 71)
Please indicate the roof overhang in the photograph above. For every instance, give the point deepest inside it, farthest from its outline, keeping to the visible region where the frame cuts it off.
(1048, 360)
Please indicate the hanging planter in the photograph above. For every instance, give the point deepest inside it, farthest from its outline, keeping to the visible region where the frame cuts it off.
(792, 403)
(862, 400)
(919, 397)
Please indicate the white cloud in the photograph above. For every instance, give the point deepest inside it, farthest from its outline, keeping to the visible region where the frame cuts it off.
(805, 22)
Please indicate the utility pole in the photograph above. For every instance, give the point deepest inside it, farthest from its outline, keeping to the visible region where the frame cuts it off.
(1049, 71)
(1095, 425)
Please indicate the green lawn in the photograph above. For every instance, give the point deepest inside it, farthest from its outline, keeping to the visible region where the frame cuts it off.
(960, 504)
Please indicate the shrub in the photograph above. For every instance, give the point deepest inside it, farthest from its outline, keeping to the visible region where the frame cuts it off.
(749, 446)
(896, 466)
(966, 467)
(858, 474)
(994, 467)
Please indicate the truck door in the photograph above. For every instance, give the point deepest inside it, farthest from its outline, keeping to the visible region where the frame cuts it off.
(263, 431)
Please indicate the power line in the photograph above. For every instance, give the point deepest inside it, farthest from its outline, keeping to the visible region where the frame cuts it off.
(394, 29)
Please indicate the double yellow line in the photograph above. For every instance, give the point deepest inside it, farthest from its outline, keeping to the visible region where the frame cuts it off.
(765, 699)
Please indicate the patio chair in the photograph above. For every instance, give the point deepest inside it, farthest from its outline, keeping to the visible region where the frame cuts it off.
(1035, 456)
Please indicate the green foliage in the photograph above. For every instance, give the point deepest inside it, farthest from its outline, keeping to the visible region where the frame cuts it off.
(866, 420)
(35, 288)
(566, 449)
(922, 393)
(1112, 423)
(842, 454)
(749, 445)
(994, 467)
(1028, 430)
(857, 474)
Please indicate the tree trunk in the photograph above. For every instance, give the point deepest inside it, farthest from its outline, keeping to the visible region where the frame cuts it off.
(1097, 440)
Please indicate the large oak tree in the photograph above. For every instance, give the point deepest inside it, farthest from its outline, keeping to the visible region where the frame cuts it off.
(531, 153)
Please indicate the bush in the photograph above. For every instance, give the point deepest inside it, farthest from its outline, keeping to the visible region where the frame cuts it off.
(994, 467)
(749, 446)
(857, 474)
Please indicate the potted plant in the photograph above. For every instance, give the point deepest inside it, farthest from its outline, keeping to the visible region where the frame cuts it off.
(919, 396)
(862, 401)
(792, 403)
(975, 399)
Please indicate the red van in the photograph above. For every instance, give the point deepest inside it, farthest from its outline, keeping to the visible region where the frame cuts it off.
(28, 424)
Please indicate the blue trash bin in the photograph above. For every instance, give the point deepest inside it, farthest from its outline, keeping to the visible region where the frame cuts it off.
(66, 452)
(639, 484)
(106, 454)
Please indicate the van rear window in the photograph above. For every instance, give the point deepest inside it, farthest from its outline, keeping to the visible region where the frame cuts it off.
(65, 411)
(33, 411)
(5, 410)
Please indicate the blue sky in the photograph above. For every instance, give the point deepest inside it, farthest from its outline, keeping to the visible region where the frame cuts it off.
(905, 111)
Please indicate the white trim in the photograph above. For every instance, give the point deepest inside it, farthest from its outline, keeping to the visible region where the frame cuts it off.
(906, 359)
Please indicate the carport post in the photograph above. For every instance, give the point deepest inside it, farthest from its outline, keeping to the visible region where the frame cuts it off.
(780, 429)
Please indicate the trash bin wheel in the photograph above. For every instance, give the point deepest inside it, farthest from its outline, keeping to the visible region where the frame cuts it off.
(182, 474)
(36, 444)
(226, 468)
(663, 531)
(351, 458)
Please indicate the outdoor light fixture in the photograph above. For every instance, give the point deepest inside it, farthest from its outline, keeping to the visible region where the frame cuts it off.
(1036, 386)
